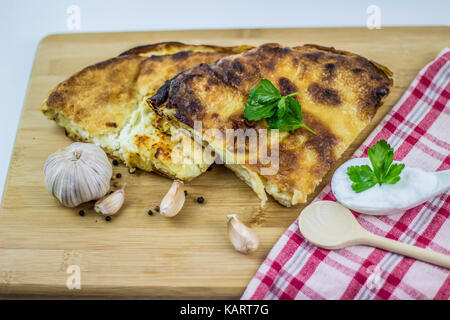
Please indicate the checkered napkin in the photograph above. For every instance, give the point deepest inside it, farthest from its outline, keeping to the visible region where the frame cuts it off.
(418, 128)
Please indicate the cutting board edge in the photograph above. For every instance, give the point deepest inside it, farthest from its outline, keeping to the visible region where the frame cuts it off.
(49, 36)
(20, 123)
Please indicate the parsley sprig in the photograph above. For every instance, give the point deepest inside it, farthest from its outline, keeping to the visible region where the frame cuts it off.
(381, 156)
(281, 112)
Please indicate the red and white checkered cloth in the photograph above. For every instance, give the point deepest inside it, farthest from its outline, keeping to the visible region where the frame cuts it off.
(418, 128)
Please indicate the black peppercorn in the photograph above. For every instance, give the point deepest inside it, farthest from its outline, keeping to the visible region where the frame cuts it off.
(209, 168)
(81, 212)
(150, 212)
(115, 162)
(185, 192)
(157, 208)
(108, 218)
(118, 176)
(200, 199)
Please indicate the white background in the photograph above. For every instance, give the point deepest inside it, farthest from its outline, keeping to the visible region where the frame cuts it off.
(24, 23)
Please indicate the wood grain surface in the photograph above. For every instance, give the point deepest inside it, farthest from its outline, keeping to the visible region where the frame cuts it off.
(140, 256)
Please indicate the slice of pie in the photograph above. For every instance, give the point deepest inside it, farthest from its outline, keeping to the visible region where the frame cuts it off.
(105, 104)
(339, 92)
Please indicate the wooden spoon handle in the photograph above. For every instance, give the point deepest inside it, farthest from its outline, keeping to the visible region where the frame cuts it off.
(407, 250)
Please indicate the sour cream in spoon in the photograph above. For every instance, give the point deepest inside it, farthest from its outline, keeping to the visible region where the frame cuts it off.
(415, 187)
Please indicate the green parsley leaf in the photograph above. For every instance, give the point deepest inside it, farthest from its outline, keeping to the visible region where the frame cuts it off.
(281, 108)
(381, 156)
(393, 174)
(296, 110)
(259, 111)
(281, 112)
(264, 93)
(291, 119)
(362, 177)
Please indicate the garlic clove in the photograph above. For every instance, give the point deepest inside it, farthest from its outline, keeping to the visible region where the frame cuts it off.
(78, 173)
(111, 203)
(173, 201)
(242, 237)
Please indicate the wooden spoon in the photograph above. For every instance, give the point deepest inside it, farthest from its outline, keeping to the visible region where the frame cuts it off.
(329, 225)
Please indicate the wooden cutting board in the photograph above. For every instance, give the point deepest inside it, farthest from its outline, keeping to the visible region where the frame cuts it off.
(137, 255)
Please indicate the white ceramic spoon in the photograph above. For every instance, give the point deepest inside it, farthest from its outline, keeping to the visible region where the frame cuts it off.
(329, 225)
(415, 187)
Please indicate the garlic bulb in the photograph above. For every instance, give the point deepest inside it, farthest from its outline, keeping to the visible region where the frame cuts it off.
(111, 203)
(78, 173)
(173, 201)
(243, 238)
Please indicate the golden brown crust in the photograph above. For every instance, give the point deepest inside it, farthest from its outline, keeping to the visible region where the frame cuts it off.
(156, 70)
(100, 97)
(339, 92)
(172, 47)
(99, 101)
